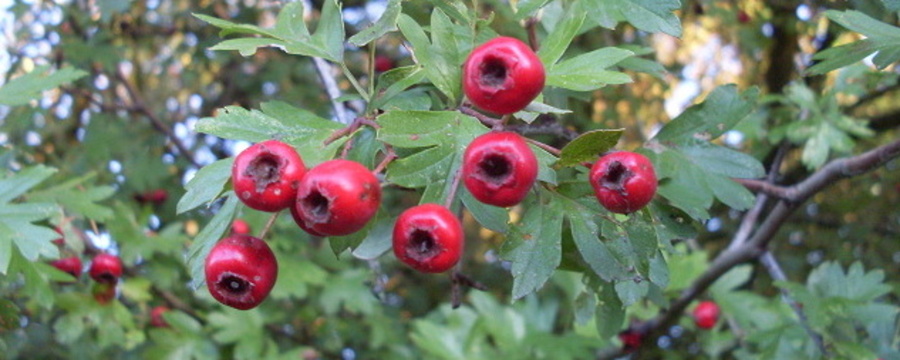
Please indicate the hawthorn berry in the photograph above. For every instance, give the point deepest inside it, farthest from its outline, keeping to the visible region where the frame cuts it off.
(156, 197)
(502, 75)
(106, 268)
(623, 182)
(383, 63)
(499, 168)
(265, 175)
(706, 314)
(239, 226)
(70, 265)
(428, 238)
(240, 271)
(156, 316)
(631, 340)
(337, 197)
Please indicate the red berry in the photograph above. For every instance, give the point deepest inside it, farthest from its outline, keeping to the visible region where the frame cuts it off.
(499, 168)
(71, 265)
(106, 268)
(428, 238)
(631, 340)
(156, 316)
(239, 226)
(706, 314)
(623, 182)
(503, 75)
(241, 271)
(265, 175)
(156, 197)
(383, 63)
(337, 197)
(743, 17)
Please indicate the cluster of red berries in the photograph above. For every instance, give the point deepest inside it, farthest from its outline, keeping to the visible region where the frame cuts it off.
(339, 197)
(105, 270)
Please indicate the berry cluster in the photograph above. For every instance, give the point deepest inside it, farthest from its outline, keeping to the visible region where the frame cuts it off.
(339, 197)
(105, 269)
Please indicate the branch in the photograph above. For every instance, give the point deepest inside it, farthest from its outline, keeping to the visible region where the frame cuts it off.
(755, 246)
(828, 174)
(140, 106)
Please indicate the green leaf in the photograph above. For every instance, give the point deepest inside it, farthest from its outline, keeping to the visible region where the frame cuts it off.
(610, 313)
(723, 161)
(329, 34)
(378, 240)
(585, 72)
(446, 134)
(524, 8)
(439, 57)
(32, 241)
(276, 120)
(631, 291)
(385, 24)
(839, 56)
(830, 280)
(290, 33)
(880, 37)
(79, 196)
(720, 112)
(643, 238)
(9, 315)
(208, 237)
(646, 15)
(585, 233)
(491, 217)
(588, 146)
(556, 43)
(229, 27)
(393, 82)
(206, 185)
(534, 246)
(14, 186)
(21, 90)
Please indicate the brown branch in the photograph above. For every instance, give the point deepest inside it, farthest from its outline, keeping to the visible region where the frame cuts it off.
(755, 246)
(486, 120)
(140, 106)
(831, 172)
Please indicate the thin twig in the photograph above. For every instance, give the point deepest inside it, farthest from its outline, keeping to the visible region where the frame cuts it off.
(140, 106)
(755, 246)
(771, 264)
(448, 202)
(265, 230)
(748, 223)
(546, 147)
(486, 120)
(828, 174)
(390, 156)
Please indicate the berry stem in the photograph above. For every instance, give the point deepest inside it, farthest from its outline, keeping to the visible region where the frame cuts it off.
(545, 147)
(349, 75)
(269, 223)
(390, 156)
(530, 27)
(486, 120)
(448, 202)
